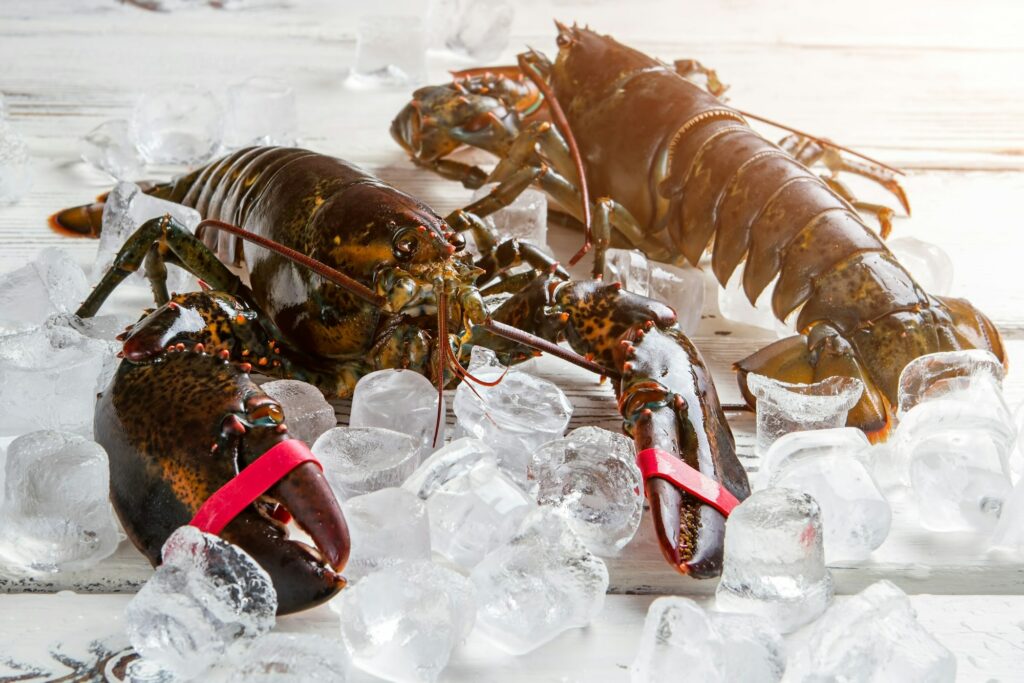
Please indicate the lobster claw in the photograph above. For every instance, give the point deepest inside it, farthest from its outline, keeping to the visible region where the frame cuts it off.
(179, 428)
(303, 575)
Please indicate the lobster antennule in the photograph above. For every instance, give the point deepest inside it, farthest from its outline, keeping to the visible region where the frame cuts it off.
(322, 269)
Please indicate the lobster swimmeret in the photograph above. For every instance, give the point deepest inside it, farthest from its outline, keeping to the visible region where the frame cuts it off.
(349, 275)
(674, 169)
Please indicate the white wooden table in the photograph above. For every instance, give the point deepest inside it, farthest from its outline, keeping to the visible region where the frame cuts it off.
(933, 88)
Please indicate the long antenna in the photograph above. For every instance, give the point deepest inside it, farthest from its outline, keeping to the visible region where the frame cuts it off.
(562, 123)
(322, 269)
(818, 140)
(541, 344)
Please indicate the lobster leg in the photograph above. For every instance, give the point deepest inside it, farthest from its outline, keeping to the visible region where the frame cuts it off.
(471, 177)
(161, 233)
(809, 152)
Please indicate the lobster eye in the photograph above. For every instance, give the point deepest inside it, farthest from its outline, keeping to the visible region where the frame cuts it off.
(265, 411)
(405, 245)
(458, 241)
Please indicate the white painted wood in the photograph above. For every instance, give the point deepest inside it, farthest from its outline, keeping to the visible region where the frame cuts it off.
(932, 87)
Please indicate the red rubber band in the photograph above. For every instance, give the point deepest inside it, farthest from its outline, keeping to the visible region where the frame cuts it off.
(229, 500)
(654, 462)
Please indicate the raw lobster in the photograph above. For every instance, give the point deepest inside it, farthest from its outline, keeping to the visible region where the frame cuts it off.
(349, 275)
(674, 169)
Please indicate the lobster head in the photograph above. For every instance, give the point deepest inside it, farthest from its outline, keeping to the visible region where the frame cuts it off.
(182, 423)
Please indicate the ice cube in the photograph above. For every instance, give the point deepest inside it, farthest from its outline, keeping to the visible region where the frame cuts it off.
(954, 451)
(734, 305)
(109, 147)
(475, 28)
(526, 218)
(472, 506)
(178, 125)
(206, 595)
(49, 377)
(974, 375)
(629, 267)
(677, 636)
(958, 474)
(306, 412)
(825, 464)
(56, 514)
(146, 671)
(390, 51)
(592, 476)
(774, 559)
(447, 463)
(682, 289)
(127, 207)
(783, 407)
(52, 283)
(754, 649)
(15, 165)
(386, 527)
(359, 460)
(710, 647)
(928, 263)
(290, 658)
(260, 111)
(515, 417)
(1009, 531)
(872, 636)
(402, 622)
(541, 583)
(400, 400)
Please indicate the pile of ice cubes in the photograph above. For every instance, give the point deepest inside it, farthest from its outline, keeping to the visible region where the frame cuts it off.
(775, 582)
(457, 543)
(187, 125)
(953, 451)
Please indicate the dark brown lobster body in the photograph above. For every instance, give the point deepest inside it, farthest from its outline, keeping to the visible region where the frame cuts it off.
(389, 286)
(676, 170)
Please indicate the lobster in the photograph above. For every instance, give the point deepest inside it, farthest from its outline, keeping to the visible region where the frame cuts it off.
(673, 168)
(349, 275)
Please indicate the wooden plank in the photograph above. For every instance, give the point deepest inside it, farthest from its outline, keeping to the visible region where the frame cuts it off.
(982, 631)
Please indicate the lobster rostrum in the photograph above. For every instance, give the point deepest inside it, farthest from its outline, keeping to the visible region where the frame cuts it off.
(673, 169)
(348, 275)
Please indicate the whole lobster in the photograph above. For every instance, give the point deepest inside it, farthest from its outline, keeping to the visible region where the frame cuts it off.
(673, 169)
(349, 275)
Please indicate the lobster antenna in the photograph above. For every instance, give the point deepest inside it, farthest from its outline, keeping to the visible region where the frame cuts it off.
(854, 152)
(511, 333)
(445, 356)
(562, 123)
(336, 277)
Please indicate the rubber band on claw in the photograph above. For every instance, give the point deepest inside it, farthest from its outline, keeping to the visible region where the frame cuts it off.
(654, 462)
(229, 500)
